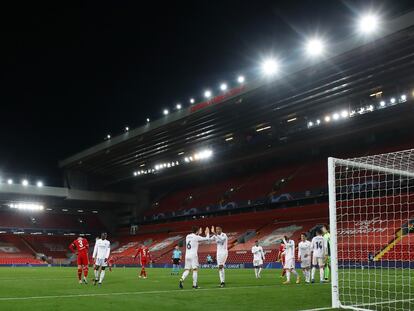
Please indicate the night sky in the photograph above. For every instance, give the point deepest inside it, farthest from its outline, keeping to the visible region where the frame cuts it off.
(70, 75)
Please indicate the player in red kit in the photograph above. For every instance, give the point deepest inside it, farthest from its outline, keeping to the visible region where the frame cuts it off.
(81, 247)
(145, 258)
(281, 257)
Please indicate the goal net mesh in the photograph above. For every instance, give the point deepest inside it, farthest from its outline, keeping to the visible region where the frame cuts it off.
(374, 207)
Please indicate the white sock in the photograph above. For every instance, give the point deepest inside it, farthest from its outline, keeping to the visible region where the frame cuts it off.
(288, 275)
(260, 271)
(321, 273)
(295, 273)
(96, 274)
(255, 272)
(101, 277)
(307, 275)
(313, 273)
(195, 275)
(222, 275)
(185, 274)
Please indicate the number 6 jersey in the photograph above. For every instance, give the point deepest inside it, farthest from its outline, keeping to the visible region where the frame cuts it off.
(191, 244)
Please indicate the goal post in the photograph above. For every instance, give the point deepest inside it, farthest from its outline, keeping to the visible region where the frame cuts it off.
(371, 217)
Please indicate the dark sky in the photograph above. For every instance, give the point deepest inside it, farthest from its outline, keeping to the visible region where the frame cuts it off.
(71, 74)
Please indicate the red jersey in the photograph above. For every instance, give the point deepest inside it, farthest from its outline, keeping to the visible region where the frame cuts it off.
(80, 245)
(282, 249)
(144, 254)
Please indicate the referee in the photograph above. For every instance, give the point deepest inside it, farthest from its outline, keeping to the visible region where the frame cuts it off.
(176, 259)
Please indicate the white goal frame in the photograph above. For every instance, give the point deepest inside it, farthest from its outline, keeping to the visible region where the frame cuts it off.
(332, 164)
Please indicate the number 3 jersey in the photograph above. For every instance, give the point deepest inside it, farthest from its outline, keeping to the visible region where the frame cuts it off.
(191, 244)
(319, 247)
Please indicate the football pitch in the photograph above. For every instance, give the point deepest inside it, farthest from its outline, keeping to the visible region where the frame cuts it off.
(57, 289)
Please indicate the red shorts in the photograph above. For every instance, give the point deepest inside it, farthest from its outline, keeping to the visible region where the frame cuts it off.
(143, 263)
(83, 259)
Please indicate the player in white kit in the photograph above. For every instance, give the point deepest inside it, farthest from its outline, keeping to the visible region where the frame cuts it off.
(191, 255)
(222, 253)
(258, 257)
(100, 255)
(304, 256)
(290, 260)
(319, 253)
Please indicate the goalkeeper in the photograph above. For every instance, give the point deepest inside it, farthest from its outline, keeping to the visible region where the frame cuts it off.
(327, 237)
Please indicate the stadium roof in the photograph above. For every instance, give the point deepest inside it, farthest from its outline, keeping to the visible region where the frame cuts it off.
(355, 66)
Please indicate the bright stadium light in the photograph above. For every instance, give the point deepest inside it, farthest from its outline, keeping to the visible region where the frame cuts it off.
(126, 128)
(25, 182)
(392, 100)
(148, 120)
(335, 116)
(39, 184)
(403, 98)
(192, 100)
(310, 124)
(165, 112)
(207, 94)
(135, 173)
(368, 24)
(9, 181)
(270, 67)
(315, 47)
(382, 103)
(27, 206)
(178, 106)
(344, 114)
(318, 122)
(223, 86)
(240, 79)
(327, 119)
(108, 136)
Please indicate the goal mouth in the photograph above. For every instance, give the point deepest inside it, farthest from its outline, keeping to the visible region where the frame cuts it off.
(371, 207)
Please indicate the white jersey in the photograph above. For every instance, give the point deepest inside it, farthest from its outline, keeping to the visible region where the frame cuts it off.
(258, 253)
(305, 250)
(102, 249)
(319, 246)
(191, 244)
(221, 240)
(290, 250)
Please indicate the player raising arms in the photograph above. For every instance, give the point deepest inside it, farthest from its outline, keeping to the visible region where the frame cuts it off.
(258, 257)
(81, 247)
(290, 260)
(191, 255)
(281, 257)
(100, 255)
(222, 253)
(304, 256)
(144, 258)
(319, 254)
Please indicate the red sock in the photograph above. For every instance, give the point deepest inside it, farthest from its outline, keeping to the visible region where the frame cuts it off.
(142, 271)
(85, 271)
(80, 274)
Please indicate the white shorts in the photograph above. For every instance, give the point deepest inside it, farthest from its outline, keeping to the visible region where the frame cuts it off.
(191, 263)
(222, 258)
(305, 262)
(258, 262)
(101, 262)
(318, 261)
(289, 263)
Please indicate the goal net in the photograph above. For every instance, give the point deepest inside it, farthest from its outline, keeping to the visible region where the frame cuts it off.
(371, 207)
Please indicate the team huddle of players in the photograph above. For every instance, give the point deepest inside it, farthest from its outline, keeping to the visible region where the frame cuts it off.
(310, 255)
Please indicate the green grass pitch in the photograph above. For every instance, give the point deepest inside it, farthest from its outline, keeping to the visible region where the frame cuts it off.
(57, 289)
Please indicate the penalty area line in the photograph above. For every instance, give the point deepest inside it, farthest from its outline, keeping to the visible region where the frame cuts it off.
(130, 293)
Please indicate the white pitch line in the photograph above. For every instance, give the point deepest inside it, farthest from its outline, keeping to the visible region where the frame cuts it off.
(129, 293)
(317, 309)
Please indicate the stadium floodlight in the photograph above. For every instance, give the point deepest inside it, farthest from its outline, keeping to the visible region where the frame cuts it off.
(126, 128)
(318, 122)
(270, 67)
(192, 100)
(368, 24)
(315, 47)
(148, 120)
(392, 100)
(9, 181)
(166, 112)
(27, 206)
(403, 98)
(335, 116)
(344, 114)
(207, 94)
(382, 103)
(39, 184)
(108, 136)
(223, 86)
(178, 106)
(25, 182)
(370, 108)
(327, 119)
(135, 173)
(310, 124)
(240, 79)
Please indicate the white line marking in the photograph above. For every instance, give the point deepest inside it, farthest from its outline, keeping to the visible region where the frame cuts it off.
(317, 309)
(129, 293)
